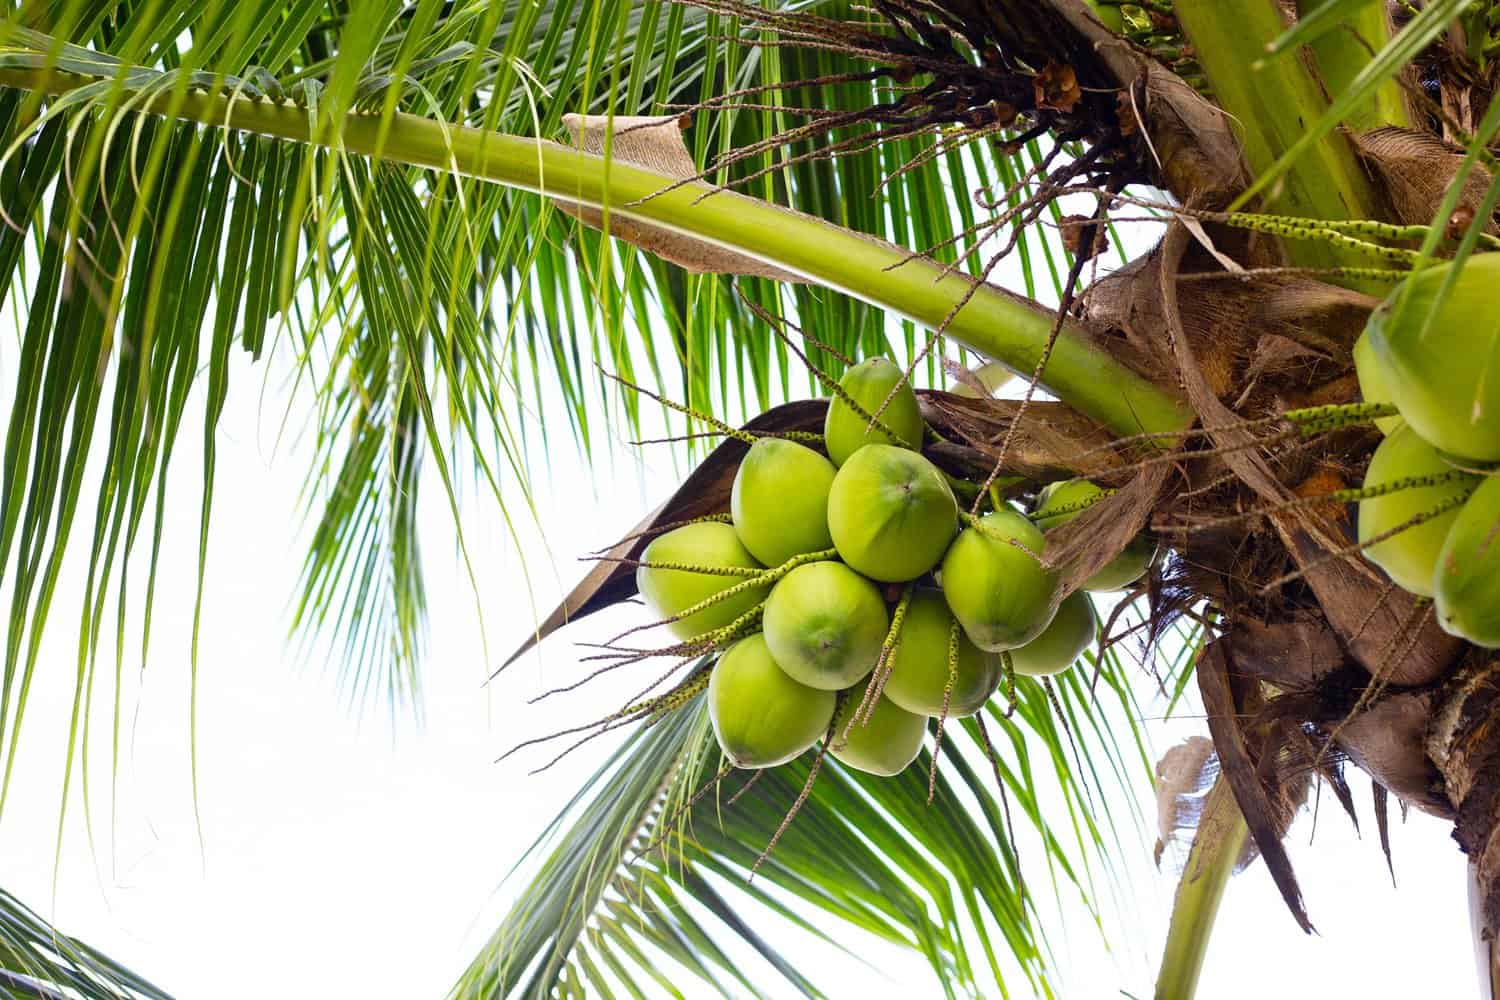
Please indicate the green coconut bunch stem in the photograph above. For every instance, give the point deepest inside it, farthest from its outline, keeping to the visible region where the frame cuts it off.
(962, 488)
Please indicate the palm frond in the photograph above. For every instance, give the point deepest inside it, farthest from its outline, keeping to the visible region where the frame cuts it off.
(427, 315)
(653, 857)
(38, 961)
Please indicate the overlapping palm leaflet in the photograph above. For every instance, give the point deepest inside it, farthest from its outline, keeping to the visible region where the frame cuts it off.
(193, 187)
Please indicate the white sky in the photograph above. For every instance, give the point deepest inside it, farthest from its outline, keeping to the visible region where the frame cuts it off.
(347, 856)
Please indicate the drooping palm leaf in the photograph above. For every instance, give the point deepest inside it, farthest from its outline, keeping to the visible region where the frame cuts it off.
(37, 960)
(635, 868)
(424, 312)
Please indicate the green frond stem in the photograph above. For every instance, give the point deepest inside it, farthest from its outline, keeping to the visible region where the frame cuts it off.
(1216, 850)
(994, 322)
(1269, 105)
(1342, 53)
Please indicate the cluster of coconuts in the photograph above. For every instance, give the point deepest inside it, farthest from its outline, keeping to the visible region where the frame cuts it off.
(1437, 533)
(832, 563)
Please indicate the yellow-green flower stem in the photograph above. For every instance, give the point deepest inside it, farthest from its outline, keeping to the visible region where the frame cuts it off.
(711, 641)
(1074, 507)
(976, 521)
(1286, 225)
(1008, 672)
(937, 739)
(1318, 419)
(993, 322)
(745, 571)
(761, 578)
(674, 699)
(1352, 495)
(883, 663)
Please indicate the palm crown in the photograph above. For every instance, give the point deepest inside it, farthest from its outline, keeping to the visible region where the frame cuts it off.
(372, 189)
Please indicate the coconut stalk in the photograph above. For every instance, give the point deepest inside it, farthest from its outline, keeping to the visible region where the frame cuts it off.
(992, 321)
(1271, 102)
(1217, 847)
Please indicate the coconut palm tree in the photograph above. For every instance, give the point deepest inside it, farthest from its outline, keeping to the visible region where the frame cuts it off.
(374, 189)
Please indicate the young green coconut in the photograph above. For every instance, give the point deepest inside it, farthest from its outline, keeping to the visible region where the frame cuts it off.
(1441, 363)
(919, 665)
(760, 715)
(779, 501)
(669, 592)
(891, 513)
(868, 384)
(824, 624)
(1121, 571)
(882, 745)
(1372, 384)
(1073, 630)
(994, 582)
(1409, 557)
(1467, 582)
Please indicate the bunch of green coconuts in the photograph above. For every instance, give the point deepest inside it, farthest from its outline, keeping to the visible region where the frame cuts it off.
(832, 564)
(1434, 523)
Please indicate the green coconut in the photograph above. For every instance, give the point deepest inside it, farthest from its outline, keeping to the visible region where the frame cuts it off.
(760, 715)
(1446, 380)
(891, 513)
(1372, 387)
(1467, 581)
(999, 591)
(1073, 629)
(919, 666)
(883, 744)
(824, 624)
(779, 502)
(1121, 571)
(868, 384)
(669, 592)
(1410, 557)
